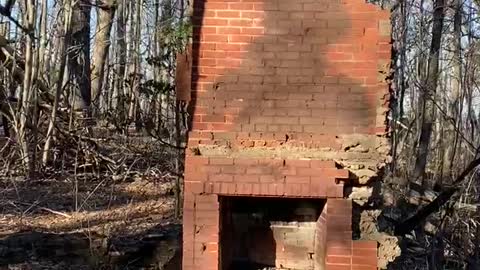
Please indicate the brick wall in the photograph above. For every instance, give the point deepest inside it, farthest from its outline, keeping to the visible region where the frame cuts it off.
(263, 177)
(321, 241)
(281, 67)
(293, 74)
(342, 253)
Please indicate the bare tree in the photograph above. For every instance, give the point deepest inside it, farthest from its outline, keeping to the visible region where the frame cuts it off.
(24, 112)
(79, 56)
(64, 39)
(106, 12)
(428, 91)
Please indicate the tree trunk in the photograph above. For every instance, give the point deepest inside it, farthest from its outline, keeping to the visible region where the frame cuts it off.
(428, 93)
(64, 39)
(456, 48)
(43, 37)
(106, 13)
(79, 55)
(121, 50)
(135, 58)
(24, 112)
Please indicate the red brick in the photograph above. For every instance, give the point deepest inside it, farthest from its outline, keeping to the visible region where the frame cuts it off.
(340, 203)
(259, 170)
(338, 239)
(364, 252)
(365, 260)
(211, 200)
(299, 112)
(335, 251)
(196, 160)
(221, 178)
(280, 189)
(212, 38)
(364, 267)
(228, 30)
(265, 189)
(253, 14)
(240, 6)
(335, 218)
(338, 267)
(247, 178)
(213, 118)
(240, 39)
(244, 188)
(339, 259)
(297, 179)
(217, 187)
(230, 63)
(306, 190)
(293, 189)
(196, 176)
(233, 170)
(288, 171)
(317, 173)
(224, 188)
(228, 47)
(288, 120)
(193, 187)
(364, 244)
(256, 189)
(214, 22)
(342, 211)
(221, 161)
(272, 189)
(209, 188)
(267, 179)
(242, 22)
(333, 191)
(252, 31)
(318, 189)
(315, 6)
(228, 14)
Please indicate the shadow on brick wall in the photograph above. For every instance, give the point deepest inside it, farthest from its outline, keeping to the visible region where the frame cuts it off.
(279, 66)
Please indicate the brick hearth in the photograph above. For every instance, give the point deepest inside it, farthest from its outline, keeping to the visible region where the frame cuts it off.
(277, 86)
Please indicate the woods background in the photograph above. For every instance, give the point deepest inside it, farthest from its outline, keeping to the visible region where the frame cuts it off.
(89, 103)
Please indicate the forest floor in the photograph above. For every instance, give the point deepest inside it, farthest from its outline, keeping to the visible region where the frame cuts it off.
(90, 222)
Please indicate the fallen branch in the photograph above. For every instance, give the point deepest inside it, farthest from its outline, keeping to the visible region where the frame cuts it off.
(409, 224)
(35, 204)
(55, 212)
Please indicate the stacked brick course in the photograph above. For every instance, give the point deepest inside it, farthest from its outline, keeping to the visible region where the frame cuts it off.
(295, 74)
(264, 177)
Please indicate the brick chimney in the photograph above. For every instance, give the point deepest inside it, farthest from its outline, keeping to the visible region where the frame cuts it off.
(284, 94)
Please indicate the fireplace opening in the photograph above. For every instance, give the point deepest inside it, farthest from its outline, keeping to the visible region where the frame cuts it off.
(271, 233)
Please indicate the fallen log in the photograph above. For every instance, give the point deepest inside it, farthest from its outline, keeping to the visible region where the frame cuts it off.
(410, 223)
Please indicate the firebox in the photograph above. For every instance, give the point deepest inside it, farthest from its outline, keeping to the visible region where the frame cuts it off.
(269, 233)
(260, 214)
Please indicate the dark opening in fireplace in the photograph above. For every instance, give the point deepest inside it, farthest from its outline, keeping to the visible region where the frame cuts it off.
(271, 233)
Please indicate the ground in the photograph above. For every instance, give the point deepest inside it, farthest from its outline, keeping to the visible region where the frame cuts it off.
(90, 222)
